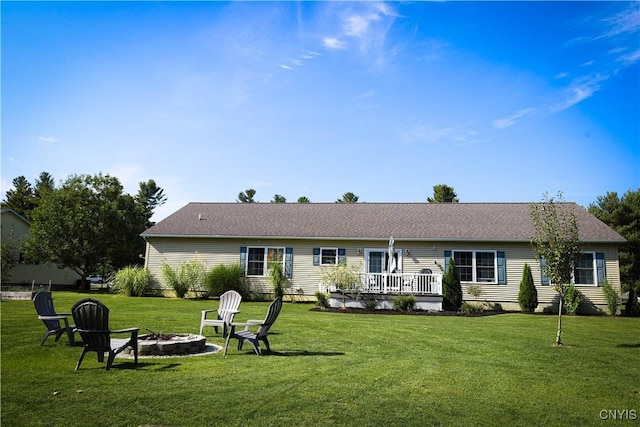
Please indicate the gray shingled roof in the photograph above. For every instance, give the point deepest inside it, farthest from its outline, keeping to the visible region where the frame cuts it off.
(407, 221)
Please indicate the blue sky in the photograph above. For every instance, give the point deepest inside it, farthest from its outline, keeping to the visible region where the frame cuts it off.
(500, 100)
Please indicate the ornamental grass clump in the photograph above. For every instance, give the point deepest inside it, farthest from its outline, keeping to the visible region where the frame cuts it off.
(226, 277)
(186, 277)
(132, 281)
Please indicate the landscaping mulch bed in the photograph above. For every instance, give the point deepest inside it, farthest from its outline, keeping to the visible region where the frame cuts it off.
(350, 310)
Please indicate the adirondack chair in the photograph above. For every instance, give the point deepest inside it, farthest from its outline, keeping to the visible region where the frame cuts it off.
(228, 307)
(92, 322)
(56, 323)
(254, 338)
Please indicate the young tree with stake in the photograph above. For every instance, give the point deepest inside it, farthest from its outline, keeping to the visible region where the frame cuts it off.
(556, 240)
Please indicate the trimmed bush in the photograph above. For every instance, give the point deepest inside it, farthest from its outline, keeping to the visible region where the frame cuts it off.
(472, 307)
(132, 281)
(451, 288)
(370, 303)
(612, 297)
(404, 303)
(322, 299)
(572, 298)
(226, 277)
(528, 295)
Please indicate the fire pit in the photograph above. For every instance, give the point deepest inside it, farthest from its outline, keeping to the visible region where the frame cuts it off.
(168, 345)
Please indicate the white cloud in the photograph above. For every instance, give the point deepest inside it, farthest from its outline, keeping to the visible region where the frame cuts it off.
(310, 55)
(366, 94)
(579, 91)
(364, 26)
(511, 120)
(433, 134)
(625, 22)
(358, 25)
(286, 67)
(333, 43)
(630, 58)
(47, 139)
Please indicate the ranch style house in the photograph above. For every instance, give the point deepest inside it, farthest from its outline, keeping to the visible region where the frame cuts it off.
(398, 248)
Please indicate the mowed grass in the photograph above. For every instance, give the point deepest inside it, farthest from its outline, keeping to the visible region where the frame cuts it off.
(327, 369)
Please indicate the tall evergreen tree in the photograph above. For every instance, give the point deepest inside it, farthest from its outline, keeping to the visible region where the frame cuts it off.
(20, 198)
(442, 193)
(623, 215)
(44, 183)
(247, 196)
(150, 197)
(348, 198)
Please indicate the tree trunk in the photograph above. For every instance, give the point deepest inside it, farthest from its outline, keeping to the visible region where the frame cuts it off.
(559, 334)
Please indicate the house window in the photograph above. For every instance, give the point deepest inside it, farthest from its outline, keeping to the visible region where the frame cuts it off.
(476, 266)
(584, 271)
(328, 256)
(590, 270)
(259, 259)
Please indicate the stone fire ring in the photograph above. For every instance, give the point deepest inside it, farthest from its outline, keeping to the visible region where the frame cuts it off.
(171, 345)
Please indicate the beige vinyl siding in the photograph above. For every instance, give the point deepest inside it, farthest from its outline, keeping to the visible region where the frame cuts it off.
(593, 293)
(516, 256)
(306, 277)
(39, 274)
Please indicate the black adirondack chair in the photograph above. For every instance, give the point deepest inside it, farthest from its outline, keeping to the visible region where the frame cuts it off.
(92, 323)
(263, 328)
(56, 323)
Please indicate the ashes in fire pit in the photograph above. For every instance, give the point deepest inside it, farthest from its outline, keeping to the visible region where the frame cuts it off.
(169, 344)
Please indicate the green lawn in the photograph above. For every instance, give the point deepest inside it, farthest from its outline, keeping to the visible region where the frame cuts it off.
(328, 369)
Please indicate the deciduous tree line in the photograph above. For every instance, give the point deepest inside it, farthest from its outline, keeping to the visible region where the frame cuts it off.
(88, 223)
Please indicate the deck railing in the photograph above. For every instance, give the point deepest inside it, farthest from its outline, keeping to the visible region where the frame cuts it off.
(397, 283)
